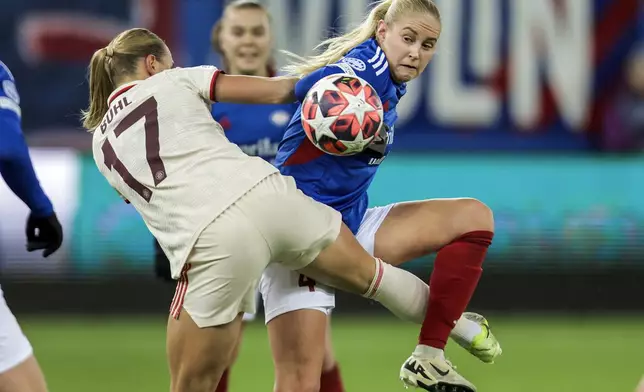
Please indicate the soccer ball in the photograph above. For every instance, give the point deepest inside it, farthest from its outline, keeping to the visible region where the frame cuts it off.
(342, 114)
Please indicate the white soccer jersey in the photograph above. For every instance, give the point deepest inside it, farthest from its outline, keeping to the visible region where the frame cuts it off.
(160, 148)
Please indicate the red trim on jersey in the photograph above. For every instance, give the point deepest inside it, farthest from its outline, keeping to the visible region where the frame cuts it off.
(180, 292)
(213, 81)
(119, 92)
(305, 153)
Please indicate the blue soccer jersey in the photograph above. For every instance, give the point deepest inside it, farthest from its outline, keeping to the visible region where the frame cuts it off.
(256, 129)
(341, 182)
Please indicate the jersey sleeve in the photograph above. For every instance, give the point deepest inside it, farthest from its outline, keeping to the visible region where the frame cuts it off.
(15, 163)
(200, 79)
(370, 68)
(9, 99)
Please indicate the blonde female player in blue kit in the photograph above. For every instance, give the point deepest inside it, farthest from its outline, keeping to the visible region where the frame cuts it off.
(391, 47)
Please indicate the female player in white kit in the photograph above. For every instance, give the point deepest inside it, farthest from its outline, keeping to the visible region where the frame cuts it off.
(220, 216)
(243, 38)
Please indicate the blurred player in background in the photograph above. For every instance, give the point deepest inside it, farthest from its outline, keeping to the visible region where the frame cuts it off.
(244, 40)
(220, 216)
(393, 46)
(19, 370)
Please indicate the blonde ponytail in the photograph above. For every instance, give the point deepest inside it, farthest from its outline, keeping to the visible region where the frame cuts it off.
(100, 88)
(112, 64)
(333, 49)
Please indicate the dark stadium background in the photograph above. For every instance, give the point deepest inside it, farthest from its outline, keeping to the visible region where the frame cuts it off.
(563, 281)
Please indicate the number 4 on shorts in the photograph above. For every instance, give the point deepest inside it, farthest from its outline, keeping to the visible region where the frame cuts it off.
(305, 281)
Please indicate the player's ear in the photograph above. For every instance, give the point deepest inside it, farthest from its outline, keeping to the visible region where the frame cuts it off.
(152, 65)
(381, 30)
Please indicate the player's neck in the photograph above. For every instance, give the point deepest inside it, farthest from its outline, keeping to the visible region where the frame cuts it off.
(135, 77)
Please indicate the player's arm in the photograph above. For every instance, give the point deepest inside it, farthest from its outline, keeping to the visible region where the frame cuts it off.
(214, 86)
(43, 229)
(16, 166)
(254, 89)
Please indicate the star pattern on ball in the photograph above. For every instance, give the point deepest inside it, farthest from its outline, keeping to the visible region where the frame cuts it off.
(322, 125)
(359, 106)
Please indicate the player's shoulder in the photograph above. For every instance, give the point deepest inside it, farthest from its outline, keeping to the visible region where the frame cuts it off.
(194, 78)
(367, 56)
(179, 73)
(5, 72)
(9, 97)
(367, 59)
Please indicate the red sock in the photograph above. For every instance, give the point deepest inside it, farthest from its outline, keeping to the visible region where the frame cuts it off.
(331, 381)
(223, 382)
(457, 270)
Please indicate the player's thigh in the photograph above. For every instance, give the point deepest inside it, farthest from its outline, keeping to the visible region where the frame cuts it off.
(23, 377)
(19, 370)
(217, 285)
(296, 227)
(309, 236)
(220, 277)
(284, 291)
(198, 356)
(296, 308)
(329, 355)
(415, 229)
(297, 341)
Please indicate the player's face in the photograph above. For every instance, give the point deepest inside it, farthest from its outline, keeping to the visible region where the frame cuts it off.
(410, 44)
(246, 41)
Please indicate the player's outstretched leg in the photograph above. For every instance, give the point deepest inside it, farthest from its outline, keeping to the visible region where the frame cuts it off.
(345, 265)
(461, 230)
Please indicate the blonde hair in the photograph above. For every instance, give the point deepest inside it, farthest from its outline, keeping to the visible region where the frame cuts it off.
(215, 35)
(333, 49)
(112, 63)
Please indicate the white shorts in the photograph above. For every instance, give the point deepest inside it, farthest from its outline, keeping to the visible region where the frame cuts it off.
(284, 290)
(272, 222)
(248, 317)
(14, 346)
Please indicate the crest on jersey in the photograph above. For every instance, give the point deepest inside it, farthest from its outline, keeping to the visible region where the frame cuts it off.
(354, 63)
(280, 118)
(10, 89)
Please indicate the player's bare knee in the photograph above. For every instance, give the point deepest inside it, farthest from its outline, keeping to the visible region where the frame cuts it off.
(196, 380)
(473, 215)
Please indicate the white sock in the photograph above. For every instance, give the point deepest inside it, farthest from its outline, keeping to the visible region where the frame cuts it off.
(404, 294)
(465, 330)
(428, 352)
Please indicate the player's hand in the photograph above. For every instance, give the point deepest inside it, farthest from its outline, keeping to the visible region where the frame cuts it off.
(44, 233)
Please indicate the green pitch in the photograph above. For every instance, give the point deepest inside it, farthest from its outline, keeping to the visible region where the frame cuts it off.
(540, 354)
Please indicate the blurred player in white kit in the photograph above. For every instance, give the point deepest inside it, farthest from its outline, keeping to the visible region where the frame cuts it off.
(19, 370)
(220, 216)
